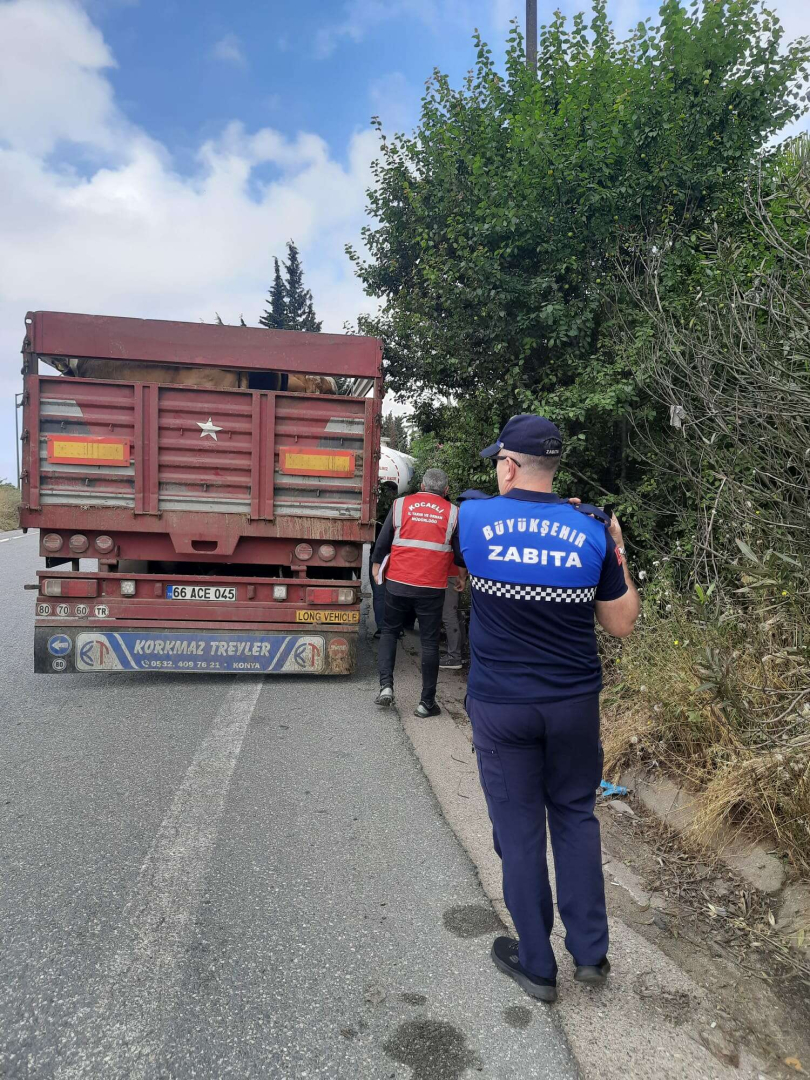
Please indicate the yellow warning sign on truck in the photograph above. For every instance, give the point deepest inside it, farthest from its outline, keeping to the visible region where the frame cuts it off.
(87, 450)
(312, 616)
(315, 461)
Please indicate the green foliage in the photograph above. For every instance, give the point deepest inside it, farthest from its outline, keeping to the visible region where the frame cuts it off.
(9, 506)
(723, 341)
(275, 317)
(395, 431)
(502, 221)
(290, 305)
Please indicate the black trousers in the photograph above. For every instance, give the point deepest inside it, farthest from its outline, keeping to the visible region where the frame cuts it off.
(428, 610)
(536, 760)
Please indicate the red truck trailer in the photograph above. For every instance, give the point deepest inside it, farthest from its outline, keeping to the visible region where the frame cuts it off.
(226, 513)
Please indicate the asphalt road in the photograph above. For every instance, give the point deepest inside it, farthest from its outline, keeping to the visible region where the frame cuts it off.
(224, 876)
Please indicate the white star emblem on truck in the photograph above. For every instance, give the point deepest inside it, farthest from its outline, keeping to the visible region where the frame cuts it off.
(208, 428)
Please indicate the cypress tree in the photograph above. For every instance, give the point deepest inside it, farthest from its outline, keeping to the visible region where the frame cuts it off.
(275, 317)
(295, 295)
(311, 324)
(290, 305)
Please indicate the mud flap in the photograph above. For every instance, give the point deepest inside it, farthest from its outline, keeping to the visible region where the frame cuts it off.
(59, 650)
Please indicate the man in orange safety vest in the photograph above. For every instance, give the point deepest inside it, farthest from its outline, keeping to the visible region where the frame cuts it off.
(415, 552)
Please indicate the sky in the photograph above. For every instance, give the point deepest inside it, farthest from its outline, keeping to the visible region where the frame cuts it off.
(156, 154)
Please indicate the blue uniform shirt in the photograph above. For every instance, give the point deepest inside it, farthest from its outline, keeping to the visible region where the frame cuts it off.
(537, 565)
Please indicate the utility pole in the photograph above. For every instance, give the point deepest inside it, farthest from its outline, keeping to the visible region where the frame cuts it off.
(531, 34)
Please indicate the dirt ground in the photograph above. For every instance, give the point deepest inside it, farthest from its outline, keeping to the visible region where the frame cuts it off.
(715, 928)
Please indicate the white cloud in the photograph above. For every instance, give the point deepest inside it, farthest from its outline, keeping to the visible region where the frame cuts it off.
(395, 101)
(52, 81)
(229, 49)
(132, 236)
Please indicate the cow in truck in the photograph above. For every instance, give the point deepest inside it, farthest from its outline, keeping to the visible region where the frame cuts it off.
(221, 485)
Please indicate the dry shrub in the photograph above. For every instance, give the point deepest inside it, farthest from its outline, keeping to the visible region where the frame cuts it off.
(713, 700)
(767, 792)
(9, 507)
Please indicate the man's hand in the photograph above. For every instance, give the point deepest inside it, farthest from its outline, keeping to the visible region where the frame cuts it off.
(614, 528)
(615, 531)
(461, 580)
(375, 572)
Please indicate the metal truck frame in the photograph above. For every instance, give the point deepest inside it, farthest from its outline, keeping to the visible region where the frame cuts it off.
(227, 520)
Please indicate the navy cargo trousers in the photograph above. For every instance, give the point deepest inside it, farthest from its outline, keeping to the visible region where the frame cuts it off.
(536, 759)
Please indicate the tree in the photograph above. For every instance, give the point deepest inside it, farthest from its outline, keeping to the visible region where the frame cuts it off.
(394, 430)
(295, 295)
(724, 350)
(275, 317)
(290, 305)
(310, 322)
(500, 224)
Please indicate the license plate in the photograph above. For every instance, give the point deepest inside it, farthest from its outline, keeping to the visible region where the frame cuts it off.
(313, 616)
(200, 592)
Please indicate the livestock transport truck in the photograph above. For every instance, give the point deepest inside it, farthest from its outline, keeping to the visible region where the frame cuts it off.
(222, 485)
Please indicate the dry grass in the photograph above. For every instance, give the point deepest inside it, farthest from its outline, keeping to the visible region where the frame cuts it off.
(722, 706)
(9, 508)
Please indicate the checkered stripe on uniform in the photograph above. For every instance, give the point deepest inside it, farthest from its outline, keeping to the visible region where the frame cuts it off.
(533, 592)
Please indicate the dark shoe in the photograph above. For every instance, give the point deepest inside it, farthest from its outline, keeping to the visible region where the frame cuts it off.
(385, 696)
(593, 975)
(377, 635)
(450, 665)
(505, 957)
(423, 709)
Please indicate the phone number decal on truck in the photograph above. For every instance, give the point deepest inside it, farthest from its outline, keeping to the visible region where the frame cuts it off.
(133, 651)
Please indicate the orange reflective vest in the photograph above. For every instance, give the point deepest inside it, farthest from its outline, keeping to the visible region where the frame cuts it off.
(421, 552)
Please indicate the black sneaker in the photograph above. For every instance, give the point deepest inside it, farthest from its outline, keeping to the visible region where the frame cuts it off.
(450, 665)
(593, 974)
(424, 709)
(505, 957)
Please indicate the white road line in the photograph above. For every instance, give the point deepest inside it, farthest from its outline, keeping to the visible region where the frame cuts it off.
(122, 1032)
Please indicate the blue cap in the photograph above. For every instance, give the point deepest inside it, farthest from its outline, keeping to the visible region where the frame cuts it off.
(528, 434)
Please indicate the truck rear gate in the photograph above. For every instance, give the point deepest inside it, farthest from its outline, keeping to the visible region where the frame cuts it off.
(177, 476)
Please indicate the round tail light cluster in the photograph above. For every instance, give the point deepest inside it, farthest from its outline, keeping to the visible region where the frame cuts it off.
(78, 543)
(327, 552)
(104, 544)
(350, 553)
(303, 552)
(52, 541)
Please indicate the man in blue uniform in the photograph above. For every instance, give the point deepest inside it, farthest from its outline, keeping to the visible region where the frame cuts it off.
(540, 568)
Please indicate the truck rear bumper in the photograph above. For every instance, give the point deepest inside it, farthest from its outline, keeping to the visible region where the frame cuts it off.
(91, 650)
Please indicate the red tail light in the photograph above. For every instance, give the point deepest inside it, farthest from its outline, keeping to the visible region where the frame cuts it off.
(69, 587)
(322, 596)
(52, 542)
(303, 552)
(327, 552)
(104, 544)
(78, 543)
